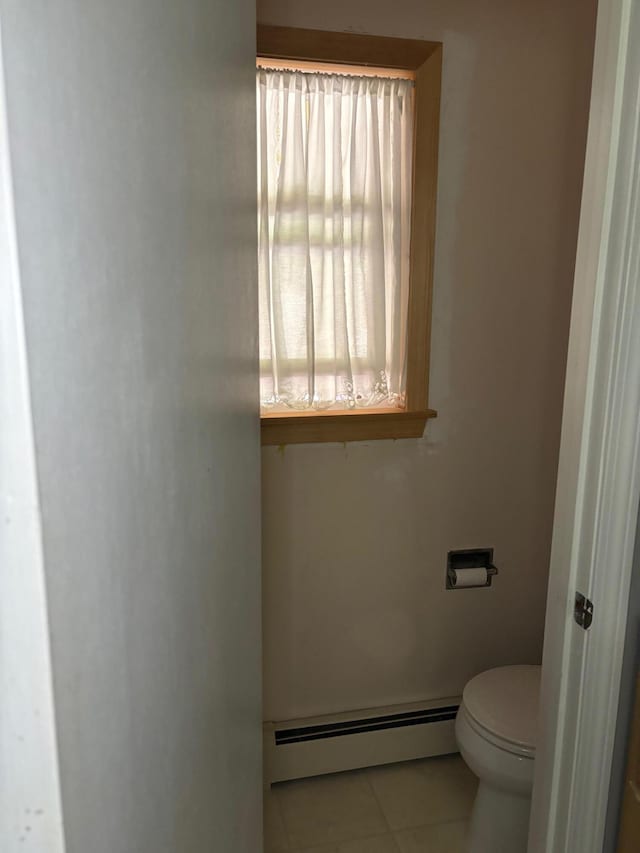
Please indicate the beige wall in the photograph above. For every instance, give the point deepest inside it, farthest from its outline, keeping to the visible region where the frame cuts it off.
(356, 537)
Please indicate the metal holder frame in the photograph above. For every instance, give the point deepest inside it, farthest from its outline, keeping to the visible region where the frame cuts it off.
(471, 558)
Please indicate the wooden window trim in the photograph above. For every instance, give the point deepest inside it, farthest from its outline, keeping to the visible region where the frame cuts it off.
(424, 59)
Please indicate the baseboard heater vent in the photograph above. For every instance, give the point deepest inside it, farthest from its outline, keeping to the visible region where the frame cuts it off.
(313, 746)
(368, 724)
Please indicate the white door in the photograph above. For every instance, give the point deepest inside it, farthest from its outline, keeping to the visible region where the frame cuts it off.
(599, 472)
(130, 654)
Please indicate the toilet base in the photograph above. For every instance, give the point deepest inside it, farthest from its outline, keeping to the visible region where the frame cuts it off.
(499, 822)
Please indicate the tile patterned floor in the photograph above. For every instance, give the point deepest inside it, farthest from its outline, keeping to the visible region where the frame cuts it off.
(414, 807)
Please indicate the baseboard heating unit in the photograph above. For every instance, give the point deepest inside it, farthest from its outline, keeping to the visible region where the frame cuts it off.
(309, 747)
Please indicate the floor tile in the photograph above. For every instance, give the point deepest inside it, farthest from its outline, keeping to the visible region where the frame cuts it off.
(275, 836)
(329, 809)
(437, 838)
(378, 844)
(432, 790)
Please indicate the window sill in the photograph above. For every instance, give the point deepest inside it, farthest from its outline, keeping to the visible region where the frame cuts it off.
(360, 425)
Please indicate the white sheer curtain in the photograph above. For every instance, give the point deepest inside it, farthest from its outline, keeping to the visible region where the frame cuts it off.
(334, 211)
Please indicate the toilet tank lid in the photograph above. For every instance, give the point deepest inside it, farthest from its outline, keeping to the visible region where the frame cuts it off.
(505, 701)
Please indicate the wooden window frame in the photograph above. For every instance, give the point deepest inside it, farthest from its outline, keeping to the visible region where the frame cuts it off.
(424, 59)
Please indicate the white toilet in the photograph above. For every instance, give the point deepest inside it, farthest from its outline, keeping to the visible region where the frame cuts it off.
(496, 729)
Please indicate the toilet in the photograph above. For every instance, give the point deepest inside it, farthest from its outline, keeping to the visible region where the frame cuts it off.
(496, 729)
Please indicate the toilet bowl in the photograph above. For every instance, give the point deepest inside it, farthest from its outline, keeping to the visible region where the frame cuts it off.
(496, 729)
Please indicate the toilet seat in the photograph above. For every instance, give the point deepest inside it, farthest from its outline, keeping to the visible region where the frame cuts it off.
(501, 705)
(496, 740)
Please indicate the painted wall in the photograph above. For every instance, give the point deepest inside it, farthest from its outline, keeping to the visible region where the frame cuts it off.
(356, 537)
(29, 781)
(131, 127)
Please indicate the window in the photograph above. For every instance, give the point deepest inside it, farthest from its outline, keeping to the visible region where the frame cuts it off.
(347, 162)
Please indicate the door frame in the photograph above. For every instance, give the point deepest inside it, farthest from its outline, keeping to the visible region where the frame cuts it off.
(599, 469)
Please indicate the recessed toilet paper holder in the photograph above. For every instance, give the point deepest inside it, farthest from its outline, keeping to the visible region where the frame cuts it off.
(458, 562)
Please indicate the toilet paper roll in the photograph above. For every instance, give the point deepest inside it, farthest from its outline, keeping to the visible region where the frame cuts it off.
(469, 577)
